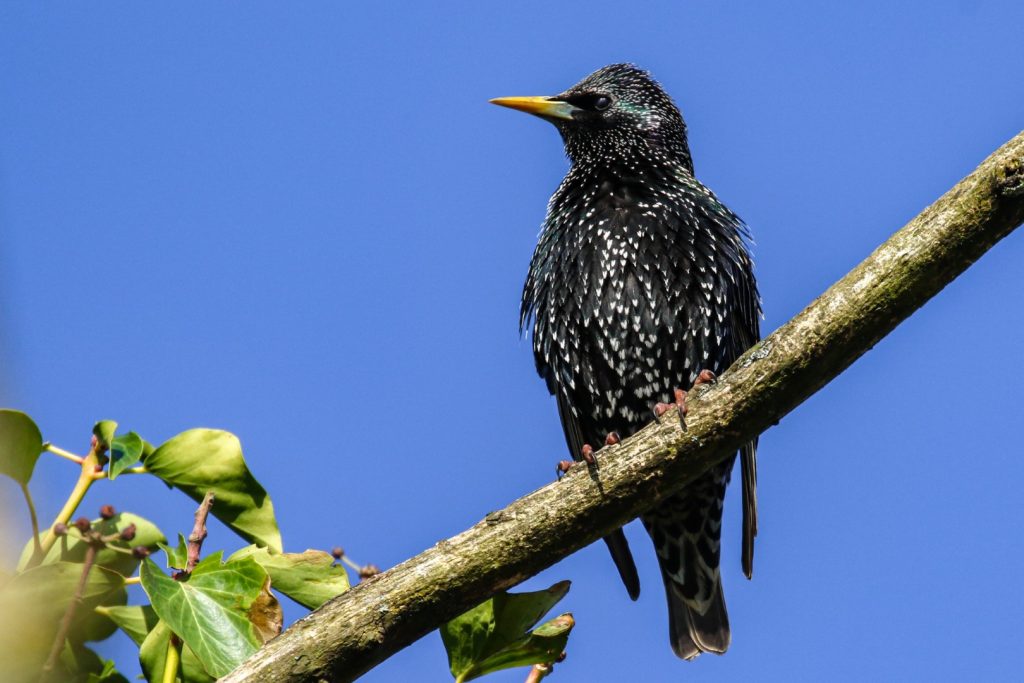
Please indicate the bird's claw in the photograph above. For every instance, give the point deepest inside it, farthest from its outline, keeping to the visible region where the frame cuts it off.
(586, 454)
(703, 377)
(680, 403)
(562, 468)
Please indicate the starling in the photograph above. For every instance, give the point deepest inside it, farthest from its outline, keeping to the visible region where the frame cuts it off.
(641, 283)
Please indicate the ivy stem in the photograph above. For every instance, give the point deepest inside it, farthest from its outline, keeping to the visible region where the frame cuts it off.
(537, 672)
(141, 469)
(352, 565)
(123, 551)
(69, 613)
(67, 455)
(198, 535)
(133, 580)
(85, 479)
(35, 520)
(173, 659)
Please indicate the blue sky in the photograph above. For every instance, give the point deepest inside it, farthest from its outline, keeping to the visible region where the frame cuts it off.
(305, 224)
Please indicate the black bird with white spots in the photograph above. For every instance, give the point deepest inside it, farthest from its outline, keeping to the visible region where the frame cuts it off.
(641, 280)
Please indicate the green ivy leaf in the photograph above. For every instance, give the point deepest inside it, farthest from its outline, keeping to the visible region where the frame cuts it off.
(493, 635)
(140, 622)
(91, 626)
(543, 646)
(39, 598)
(20, 445)
(135, 620)
(310, 578)
(82, 664)
(153, 654)
(125, 451)
(210, 610)
(71, 549)
(177, 558)
(202, 460)
(108, 674)
(104, 431)
(51, 587)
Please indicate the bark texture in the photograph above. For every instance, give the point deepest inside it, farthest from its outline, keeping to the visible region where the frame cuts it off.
(354, 632)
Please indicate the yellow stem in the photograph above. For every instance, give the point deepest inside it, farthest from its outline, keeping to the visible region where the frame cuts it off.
(173, 659)
(67, 455)
(35, 520)
(131, 470)
(85, 479)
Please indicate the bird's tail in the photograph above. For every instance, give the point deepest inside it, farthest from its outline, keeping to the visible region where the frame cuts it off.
(690, 632)
(686, 530)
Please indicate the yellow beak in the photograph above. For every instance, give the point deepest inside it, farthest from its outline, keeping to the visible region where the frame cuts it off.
(538, 106)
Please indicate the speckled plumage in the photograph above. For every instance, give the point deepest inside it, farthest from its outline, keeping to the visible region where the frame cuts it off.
(641, 278)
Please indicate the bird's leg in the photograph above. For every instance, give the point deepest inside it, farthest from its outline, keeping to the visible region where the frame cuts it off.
(586, 454)
(703, 377)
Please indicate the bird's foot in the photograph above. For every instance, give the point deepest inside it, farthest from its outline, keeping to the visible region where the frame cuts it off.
(586, 455)
(679, 404)
(703, 377)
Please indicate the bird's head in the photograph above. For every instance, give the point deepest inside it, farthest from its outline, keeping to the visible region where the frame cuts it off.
(616, 113)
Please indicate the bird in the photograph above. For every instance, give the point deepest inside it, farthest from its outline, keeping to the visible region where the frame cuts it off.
(642, 283)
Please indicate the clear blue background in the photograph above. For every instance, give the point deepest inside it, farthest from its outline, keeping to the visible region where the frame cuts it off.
(304, 223)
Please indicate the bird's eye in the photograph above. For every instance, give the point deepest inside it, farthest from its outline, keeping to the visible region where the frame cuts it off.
(590, 102)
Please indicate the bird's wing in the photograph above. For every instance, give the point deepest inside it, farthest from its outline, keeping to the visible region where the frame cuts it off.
(748, 468)
(747, 327)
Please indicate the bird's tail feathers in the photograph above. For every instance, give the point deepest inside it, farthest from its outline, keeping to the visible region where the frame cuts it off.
(618, 546)
(686, 530)
(691, 631)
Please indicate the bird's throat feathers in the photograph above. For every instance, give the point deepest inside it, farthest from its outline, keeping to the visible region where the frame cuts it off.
(614, 148)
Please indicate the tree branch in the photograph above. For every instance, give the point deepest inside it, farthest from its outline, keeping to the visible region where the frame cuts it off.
(354, 632)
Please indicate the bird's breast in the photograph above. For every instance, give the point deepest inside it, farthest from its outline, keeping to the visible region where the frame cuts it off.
(630, 293)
